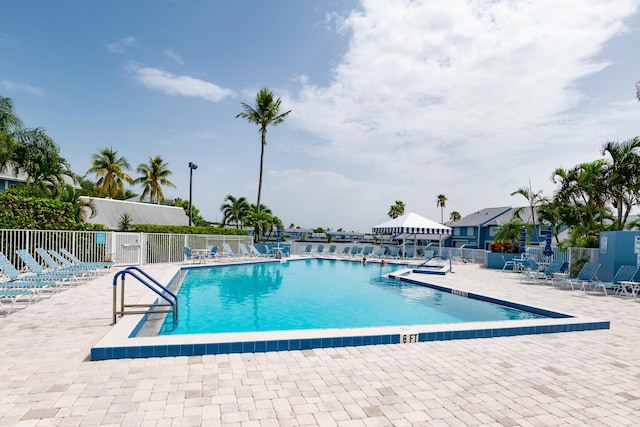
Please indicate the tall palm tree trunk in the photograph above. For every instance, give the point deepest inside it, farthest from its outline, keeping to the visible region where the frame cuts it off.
(264, 142)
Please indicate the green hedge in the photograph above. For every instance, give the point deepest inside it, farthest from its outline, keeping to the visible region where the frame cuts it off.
(35, 213)
(185, 229)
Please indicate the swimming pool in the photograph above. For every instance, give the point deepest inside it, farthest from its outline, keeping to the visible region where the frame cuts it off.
(124, 340)
(317, 294)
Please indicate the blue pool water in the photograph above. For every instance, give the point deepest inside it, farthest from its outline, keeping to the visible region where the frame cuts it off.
(313, 294)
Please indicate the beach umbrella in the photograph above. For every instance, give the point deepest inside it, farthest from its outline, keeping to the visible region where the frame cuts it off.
(548, 252)
(523, 240)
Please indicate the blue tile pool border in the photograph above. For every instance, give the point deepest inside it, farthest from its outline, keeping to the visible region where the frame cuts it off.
(444, 332)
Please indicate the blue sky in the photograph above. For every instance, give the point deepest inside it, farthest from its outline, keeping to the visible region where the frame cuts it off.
(390, 101)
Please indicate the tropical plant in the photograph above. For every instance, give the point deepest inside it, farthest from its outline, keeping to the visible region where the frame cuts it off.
(510, 231)
(262, 221)
(441, 202)
(125, 221)
(397, 209)
(82, 210)
(38, 156)
(235, 211)
(455, 216)
(196, 218)
(265, 113)
(622, 176)
(152, 177)
(111, 172)
(10, 123)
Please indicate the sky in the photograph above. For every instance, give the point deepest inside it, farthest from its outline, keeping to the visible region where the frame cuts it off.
(401, 100)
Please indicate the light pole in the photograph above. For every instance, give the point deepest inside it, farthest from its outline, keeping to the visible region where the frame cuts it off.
(192, 166)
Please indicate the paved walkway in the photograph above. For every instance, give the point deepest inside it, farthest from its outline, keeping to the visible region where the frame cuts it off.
(580, 378)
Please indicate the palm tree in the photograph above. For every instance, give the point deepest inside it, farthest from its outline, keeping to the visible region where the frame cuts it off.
(38, 156)
(455, 216)
(10, 123)
(622, 176)
(441, 203)
(235, 211)
(262, 220)
(153, 177)
(264, 113)
(397, 209)
(534, 199)
(81, 208)
(111, 169)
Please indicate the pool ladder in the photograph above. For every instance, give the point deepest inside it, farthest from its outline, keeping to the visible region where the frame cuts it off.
(169, 305)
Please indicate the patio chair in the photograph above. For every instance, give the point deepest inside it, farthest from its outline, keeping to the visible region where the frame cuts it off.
(191, 256)
(27, 281)
(586, 274)
(54, 266)
(547, 274)
(411, 253)
(228, 251)
(624, 274)
(394, 252)
(320, 250)
(257, 252)
(332, 250)
(346, 250)
(367, 251)
(511, 263)
(355, 250)
(308, 249)
(380, 252)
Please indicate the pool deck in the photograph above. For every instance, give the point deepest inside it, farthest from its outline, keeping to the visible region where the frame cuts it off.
(577, 378)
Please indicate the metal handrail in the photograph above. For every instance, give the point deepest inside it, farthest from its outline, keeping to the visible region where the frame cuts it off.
(163, 292)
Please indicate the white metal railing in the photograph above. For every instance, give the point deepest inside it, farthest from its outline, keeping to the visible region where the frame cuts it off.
(125, 248)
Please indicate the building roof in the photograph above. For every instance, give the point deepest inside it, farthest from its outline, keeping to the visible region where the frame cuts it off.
(480, 218)
(110, 211)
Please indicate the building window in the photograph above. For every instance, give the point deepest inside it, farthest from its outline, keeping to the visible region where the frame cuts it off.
(493, 230)
(456, 231)
(471, 231)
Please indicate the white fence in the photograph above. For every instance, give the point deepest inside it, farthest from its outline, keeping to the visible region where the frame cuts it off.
(127, 248)
(122, 247)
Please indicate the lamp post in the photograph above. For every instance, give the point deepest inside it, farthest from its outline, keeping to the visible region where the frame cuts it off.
(192, 166)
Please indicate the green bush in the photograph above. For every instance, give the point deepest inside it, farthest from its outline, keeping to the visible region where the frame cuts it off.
(185, 229)
(35, 213)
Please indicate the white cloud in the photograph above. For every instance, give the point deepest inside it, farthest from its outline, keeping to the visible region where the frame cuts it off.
(168, 83)
(464, 97)
(121, 45)
(21, 87)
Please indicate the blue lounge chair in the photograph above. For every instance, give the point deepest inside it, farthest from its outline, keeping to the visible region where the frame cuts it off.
(354, 250)
(17, 281)
(14, 297)
(320, 250)
(394, 252)
(546, 276)
(308, 249)
(346, 250)
(257, 252)
(367, 251)
(586, 274)
(243, 250)
(625, 273)
(96, 267)
(40, 273)
(332, 250)
(74, 259)
(411, 253)
(191, 256)
(380, 252)
(54, 266)
(228, 251)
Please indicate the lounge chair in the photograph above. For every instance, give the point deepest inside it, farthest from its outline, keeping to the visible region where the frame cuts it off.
(16, 280)
(308, 249)
(97, 267)
(586, 274)
(257, 252)
(346, 250)
(411, 253)
(320, 250)
(624, 274)
(14, 297)
(511, 263)
(332, 250)
(228, 251)
(354, 250)
(545, 276)
(74, 259)
(367, 251)
(191, 256)
(63, 276)
(243, 250)
(54, 266)
(393, 253)
(380, 252)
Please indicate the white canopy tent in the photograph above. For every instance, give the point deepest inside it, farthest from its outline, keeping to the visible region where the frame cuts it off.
(416, 226)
